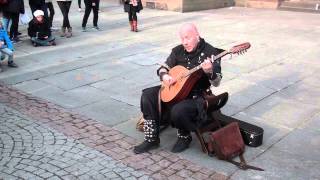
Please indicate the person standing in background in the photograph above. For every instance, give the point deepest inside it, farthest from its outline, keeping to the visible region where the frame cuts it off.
(94, 5)
(51, 10)
(66, 29)
(11, 11)
(132, 7)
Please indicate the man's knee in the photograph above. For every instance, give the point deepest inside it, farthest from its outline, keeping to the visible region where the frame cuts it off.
(148, 95)
(176, 115)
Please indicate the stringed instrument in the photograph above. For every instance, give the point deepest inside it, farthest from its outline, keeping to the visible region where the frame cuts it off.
(185, 79)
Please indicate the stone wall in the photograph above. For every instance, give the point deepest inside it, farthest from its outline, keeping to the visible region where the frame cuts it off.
(268, 4)
(195, 5)
(187, 5)
(172, 5)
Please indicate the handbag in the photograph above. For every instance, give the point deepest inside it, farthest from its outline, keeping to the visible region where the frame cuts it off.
(24, 19)
(227, 143)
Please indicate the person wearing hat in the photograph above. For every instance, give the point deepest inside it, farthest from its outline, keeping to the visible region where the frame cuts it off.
(6, 48)
(39, 30)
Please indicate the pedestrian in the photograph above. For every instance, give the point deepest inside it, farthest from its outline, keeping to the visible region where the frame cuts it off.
(132, 7)
(51, 10)
(11, 12)
(6, 48)
(94, 6)
(39, 30)
(66, 29)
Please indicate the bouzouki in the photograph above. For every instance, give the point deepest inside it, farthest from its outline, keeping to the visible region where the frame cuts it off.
(185, 79)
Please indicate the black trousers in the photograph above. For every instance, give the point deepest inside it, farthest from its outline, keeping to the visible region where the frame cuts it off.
(184, 115)
(79, 3)
(14, 25)
(87, 12)
(51, 10)
(132, 14)
(65, 7)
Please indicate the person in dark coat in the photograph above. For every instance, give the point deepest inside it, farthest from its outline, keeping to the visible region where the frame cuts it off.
(39, 30)
(187, 114)
(12, 11)
(132, 7)
(94, 5)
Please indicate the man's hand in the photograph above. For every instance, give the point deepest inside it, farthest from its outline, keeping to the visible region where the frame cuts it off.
(168, 80)
(46, 37)
(93, 4)
(207, 65)
(1, 43)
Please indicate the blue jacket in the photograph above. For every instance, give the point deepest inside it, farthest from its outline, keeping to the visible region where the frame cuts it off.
(5, 38)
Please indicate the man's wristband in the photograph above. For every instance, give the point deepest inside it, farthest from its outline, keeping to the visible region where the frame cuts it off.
(161, 74)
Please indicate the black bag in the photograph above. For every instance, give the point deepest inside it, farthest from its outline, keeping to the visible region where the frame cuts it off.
(252, 135)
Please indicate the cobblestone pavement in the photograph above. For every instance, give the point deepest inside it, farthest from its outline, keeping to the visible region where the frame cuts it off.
(39, 140)
(30, 150)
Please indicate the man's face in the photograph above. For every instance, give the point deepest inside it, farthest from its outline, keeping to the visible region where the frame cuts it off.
(39, 18)
(189, 40)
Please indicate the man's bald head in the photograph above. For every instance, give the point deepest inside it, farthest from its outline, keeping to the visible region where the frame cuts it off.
(189, 28)
(189, 36)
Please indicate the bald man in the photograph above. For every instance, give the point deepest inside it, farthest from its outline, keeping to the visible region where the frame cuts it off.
(187, 114)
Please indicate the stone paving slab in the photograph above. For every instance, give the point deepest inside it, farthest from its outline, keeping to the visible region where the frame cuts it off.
(108, 105)
(72, 79)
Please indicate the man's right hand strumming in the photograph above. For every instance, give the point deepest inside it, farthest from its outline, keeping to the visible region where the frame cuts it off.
(168, 80)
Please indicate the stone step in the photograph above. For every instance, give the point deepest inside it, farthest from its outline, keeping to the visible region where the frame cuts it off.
(301, 5)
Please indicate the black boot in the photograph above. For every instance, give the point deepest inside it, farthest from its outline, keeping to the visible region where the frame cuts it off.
(183, 142)
(12, 64)
(145, 146)
(151, 137)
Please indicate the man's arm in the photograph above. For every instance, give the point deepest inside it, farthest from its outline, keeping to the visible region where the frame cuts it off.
(31, 31)
(170, 62)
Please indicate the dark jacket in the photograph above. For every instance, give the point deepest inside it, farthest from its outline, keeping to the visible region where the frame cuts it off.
(39, 30)
(14, 6)
(181, 57)
(128, 7)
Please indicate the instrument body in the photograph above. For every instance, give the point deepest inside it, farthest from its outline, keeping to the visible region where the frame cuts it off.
(185, 79)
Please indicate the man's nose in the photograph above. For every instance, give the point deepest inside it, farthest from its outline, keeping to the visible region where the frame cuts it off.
(184, 42)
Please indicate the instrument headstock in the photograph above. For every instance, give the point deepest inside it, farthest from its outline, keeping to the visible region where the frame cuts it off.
(240, 49)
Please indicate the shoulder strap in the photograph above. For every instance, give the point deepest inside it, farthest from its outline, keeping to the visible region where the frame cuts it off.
(243, 164)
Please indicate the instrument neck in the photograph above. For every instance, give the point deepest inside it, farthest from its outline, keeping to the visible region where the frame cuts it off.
(213, 59)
